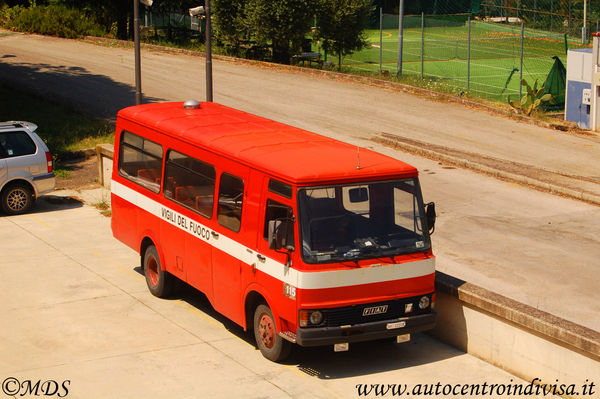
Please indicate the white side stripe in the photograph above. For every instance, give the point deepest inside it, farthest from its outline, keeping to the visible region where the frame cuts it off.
(275, 269)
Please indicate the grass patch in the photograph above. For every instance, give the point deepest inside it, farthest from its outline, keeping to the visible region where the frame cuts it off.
(62, 173)
(62, 128)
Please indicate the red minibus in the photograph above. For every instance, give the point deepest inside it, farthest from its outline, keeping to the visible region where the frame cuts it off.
(301, 238)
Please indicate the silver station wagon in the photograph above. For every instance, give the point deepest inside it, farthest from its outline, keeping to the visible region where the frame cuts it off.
(25, 167)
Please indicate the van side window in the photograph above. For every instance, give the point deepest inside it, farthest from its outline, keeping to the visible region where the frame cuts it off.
(190, 182)
(231, 196)
(15, 144)
(140, 160)
(274, 211)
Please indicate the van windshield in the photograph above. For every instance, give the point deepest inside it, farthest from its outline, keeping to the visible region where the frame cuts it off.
(358, 221)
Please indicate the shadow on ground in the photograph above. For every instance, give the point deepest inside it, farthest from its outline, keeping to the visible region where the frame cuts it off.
(363, 358)
(95, 95)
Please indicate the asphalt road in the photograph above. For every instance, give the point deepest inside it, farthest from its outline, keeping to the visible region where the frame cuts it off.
(534, 247)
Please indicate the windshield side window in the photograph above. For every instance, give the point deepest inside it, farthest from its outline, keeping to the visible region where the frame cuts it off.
(190, 182)
(140, 160)
(16, 144)
(231, 196)
(278, 211)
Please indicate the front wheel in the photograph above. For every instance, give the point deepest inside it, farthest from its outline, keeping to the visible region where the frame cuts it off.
(17, 199)
(271, 345)
(160, 283)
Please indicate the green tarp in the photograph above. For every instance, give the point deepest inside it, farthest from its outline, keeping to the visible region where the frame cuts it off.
(555, 84)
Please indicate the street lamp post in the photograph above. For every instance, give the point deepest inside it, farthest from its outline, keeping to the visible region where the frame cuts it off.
(209, 88)
(206, 11)
(136, 41)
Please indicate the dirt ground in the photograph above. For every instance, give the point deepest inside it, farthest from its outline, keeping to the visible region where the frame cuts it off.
(83, 174)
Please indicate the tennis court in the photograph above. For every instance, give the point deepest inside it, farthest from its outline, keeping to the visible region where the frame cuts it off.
(485, 61)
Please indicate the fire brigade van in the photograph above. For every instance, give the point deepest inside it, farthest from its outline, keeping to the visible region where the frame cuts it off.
(297, 237)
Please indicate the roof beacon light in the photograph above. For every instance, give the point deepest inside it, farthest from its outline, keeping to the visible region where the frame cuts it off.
(191, 104)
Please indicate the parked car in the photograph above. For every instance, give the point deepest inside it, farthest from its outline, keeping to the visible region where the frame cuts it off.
(25, 167)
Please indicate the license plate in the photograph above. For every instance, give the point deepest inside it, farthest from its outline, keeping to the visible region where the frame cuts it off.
(398, 324)
(403, 338)
(341, 347)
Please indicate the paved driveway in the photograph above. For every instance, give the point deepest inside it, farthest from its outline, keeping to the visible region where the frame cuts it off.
(74, 309)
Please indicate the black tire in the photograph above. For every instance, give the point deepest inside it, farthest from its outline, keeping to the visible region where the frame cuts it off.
(271, 345)
(17, 199)
(160, 282)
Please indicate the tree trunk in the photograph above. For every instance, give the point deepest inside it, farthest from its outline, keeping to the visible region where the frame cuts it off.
(122, 27)
(281, 52)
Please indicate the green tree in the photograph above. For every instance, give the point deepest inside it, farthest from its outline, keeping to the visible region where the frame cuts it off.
(341, 25)
(282, 22)
(229, 23)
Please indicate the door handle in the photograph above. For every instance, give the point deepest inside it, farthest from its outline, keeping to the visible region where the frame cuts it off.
(214, 234)
(261, 258)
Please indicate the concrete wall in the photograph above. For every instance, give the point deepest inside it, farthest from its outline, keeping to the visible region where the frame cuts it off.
(525, 341)
(104, 152)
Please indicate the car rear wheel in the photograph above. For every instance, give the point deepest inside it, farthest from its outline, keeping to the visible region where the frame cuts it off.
(17, 199)
(271, 345)
(160, 282)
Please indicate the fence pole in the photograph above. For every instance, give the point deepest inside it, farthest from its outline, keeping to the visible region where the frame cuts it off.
(584, 29)
(400, 35)
(551, 13)
(521, 68)
(422, 43)
(380, 38)
(469, 55)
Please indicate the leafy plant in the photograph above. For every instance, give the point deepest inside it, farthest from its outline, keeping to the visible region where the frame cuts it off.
(532, 99)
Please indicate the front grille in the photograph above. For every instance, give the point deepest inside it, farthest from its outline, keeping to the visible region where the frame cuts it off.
(354, 314)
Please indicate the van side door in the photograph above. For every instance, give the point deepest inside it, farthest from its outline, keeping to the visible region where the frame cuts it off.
(231, 241)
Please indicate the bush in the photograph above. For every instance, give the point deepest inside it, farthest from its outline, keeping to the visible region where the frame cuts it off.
(52, 20)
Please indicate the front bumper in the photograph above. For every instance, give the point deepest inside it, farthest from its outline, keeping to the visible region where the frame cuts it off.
(365, 331)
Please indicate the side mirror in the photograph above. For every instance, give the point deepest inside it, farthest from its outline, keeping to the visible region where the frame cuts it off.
(430, 216)
(278, 234)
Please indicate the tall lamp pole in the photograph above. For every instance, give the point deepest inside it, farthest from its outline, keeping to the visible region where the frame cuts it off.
(209, 88)
(136, 40)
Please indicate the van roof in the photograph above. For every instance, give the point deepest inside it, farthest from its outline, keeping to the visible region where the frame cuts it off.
(289, 153)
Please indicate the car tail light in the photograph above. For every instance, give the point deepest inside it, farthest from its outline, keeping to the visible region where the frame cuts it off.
(49, 161)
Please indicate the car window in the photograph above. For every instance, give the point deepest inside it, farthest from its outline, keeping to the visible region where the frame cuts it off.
(15, 144)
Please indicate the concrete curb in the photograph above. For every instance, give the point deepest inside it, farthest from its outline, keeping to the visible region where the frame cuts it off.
(563, 332)
(528, 343)
(541, 185)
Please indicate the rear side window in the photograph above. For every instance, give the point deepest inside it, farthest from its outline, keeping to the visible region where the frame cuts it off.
(190, 182)
(140, 160)
(16, 144)
(231, 196)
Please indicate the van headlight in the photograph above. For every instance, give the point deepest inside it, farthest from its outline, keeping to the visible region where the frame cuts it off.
(316, 317)
(308, 318)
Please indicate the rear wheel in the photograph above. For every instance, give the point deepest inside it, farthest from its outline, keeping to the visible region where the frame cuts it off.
(160, 283)
(271, 345)
(17, 199)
